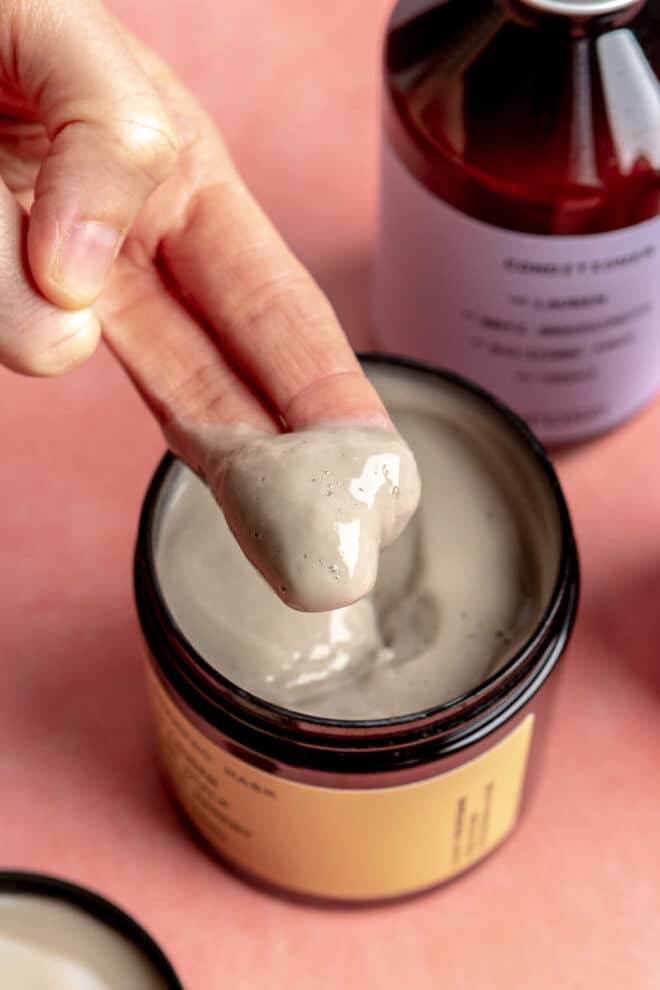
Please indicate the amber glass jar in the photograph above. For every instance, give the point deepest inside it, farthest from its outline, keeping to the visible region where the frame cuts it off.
(357, 810)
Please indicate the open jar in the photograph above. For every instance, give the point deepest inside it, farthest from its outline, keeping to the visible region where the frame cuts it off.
(411, 765)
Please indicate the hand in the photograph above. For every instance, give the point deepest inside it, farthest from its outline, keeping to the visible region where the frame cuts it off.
(140, 226)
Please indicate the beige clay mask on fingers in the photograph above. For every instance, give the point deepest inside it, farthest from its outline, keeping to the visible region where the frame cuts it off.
(311, 510)
(457, 593)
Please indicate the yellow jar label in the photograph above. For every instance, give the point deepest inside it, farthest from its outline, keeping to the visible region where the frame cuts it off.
(340, 843)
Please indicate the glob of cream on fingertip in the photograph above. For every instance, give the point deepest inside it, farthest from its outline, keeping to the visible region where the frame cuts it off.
(312, 509)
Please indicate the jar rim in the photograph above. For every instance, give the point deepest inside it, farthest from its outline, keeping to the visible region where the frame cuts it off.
(562, 601)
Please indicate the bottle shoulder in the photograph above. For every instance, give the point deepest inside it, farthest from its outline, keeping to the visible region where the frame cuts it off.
(487, 107)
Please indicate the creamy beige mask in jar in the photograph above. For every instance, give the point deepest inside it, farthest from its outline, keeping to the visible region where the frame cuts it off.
(387, 747)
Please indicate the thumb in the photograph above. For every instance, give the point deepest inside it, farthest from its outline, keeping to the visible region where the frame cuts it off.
(36, 338)
(111, 143)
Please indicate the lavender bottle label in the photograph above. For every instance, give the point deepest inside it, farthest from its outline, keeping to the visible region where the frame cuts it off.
(565, 329)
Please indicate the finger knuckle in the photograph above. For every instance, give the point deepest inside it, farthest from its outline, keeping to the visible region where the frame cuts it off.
(197, 394)
(144, 144)
(284, 297)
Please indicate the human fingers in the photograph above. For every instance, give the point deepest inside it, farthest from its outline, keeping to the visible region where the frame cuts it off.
(111, 141)
(36, 337)
(173, 362)
(268, 315)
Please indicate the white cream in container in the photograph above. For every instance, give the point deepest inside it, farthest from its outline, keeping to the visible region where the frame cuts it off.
(383, 748)
(55, 935)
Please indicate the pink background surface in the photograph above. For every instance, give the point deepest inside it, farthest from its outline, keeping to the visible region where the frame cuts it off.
(574, 900)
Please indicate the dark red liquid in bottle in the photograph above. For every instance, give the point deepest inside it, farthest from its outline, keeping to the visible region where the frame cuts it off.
(527, 120)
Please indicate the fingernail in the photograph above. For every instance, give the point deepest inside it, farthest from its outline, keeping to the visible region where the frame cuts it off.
(85, 257)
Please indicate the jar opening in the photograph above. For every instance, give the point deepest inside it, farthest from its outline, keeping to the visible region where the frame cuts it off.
(520, 467)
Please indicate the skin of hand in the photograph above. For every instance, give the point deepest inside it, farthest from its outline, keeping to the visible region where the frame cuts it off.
(121, 212)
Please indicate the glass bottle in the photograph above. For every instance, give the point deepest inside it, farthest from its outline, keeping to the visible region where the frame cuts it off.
(520, 200)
